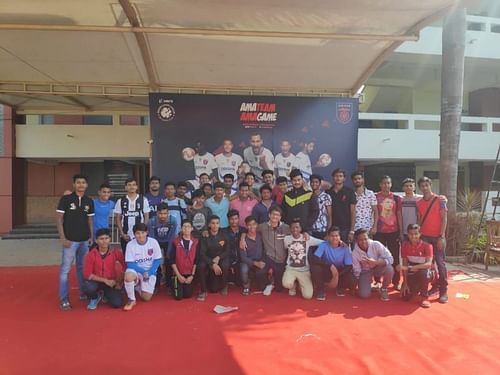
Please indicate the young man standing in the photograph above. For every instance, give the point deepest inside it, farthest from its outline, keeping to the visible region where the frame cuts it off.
(408, 208)
(250, 180)
(227, 162)
(432, 218)
(257, 156)
(252, 259)
(324, 220)
(129, 211)
(268, 177)
(204, 162)
(219, 204)
(371, 259)
(285, 161)
(280, 190)
(163, 229)
(103, 208)
(233, 233)
(261, 209)
(176, 206)
(207, 190)
(103, 272)
(74, 223)
(297, 264)
(213, 262)
(143, 257)
(389, 217)
(300, 203)
(154, 196)
(184, 262)
(417, 263)
(198, 214)
(366, 205)
(344, 206)
(244, 204)
(273, 236)
(181, 192)
(304, 161)
(332, 262)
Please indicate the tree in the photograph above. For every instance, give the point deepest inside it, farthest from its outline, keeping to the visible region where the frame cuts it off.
(452, 83)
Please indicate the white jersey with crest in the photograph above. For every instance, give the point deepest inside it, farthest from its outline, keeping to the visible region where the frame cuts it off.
(228, 164)
(143, 255)
(285, 164)
(204, 164)
(254, 161)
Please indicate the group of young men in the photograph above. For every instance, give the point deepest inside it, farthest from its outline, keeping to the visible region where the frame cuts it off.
(269, 236)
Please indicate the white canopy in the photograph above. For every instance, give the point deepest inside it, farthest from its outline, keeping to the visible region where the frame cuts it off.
(99, 55)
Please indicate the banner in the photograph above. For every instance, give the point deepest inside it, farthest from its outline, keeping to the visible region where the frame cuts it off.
(219, 134)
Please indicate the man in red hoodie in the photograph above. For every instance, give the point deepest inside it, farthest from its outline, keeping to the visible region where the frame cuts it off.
(184, 261)
(103, 272)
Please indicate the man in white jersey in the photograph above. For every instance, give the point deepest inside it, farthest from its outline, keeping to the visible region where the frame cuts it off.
(227, 162)
(285, 161)
(143, 257)
(204, 162)
(258, 157)
(304, 161)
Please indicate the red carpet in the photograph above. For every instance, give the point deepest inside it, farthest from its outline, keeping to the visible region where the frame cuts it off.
(269, 335)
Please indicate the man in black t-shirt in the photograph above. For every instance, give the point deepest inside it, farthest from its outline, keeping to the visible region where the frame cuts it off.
(343, 206)
(74, 224)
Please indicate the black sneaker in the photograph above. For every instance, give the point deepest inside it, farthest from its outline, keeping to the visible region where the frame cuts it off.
(202, 296)
(434, 290)
(65, 306)
(340, 292)
(443, 297)
(246, 291)
(321, 296)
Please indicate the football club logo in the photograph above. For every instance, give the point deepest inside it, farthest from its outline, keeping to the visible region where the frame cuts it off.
(344, 112)
(205, 161)
(288, 164)
(221, 243)
(150, 252)
(233, 163)
(165, 112)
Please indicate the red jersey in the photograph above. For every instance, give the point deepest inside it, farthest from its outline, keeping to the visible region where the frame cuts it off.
(416, 254)
(431, 227)
(278, 195)
(388, 207)
(110, 266)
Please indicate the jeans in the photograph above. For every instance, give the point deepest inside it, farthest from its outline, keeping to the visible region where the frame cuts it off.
(391, 241)
(322, 274)
(439, 259)
(77, 251)
(113, 295)
(418, 283)
(260, 275)
(366, 277)
(278, 270)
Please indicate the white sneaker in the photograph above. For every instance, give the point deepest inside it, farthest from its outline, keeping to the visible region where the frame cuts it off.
(268, 290)
(293, 291)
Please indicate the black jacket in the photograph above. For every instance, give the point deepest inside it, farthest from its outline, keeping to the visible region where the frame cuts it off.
(213, 246)
(300, 204)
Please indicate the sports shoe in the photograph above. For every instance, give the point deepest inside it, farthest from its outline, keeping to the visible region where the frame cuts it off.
(384, 295)
(321, 296)
(443, 297)
(94, 302)
(246, 291)
(129, 306)
(425, 303)
(434, 290)
(268, 290)
(202, 296)
(65, 306)
(376, 286)
(340, 292)
(224, 291)
(292, 291)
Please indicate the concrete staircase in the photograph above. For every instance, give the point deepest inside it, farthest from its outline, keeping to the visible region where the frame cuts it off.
(32, 232)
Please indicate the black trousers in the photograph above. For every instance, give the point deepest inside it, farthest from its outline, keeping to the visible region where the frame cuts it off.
(113, 295)
(321, 274)
(180, 290)
(418, 282)
(391, 241)
(123, 244)
(209, 281)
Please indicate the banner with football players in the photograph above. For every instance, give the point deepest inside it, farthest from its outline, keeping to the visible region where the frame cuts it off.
(221, 134)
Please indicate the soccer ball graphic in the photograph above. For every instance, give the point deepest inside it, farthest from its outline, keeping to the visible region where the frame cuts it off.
(188, 154)
(324, 160)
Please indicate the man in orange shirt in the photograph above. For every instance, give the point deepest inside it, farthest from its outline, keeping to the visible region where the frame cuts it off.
(431, 212)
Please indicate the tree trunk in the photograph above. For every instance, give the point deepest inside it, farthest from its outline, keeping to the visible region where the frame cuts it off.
(452, 81)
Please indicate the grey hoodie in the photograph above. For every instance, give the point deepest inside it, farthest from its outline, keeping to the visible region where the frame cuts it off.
(376, 250)
(273, 241)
